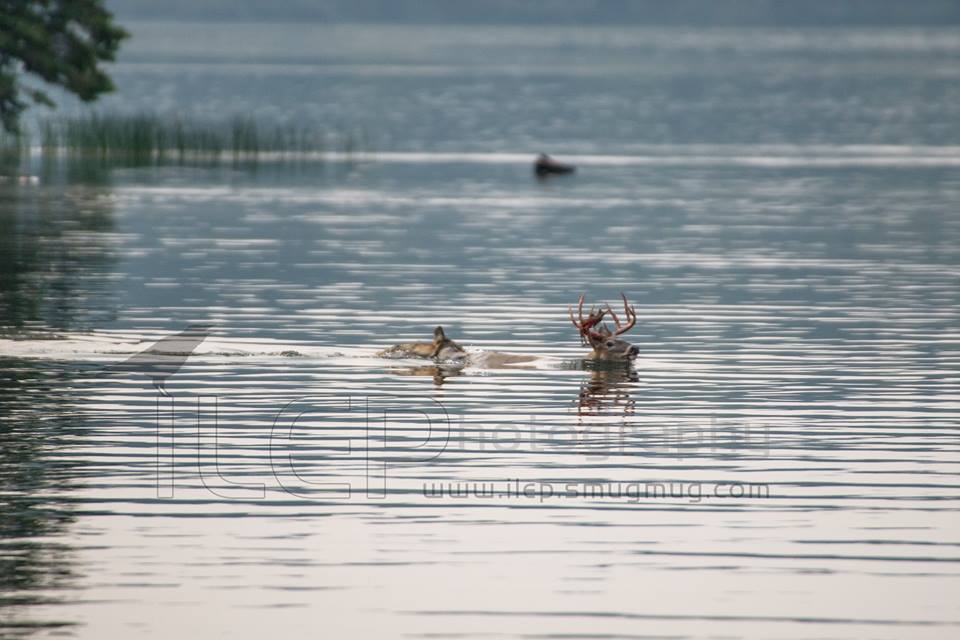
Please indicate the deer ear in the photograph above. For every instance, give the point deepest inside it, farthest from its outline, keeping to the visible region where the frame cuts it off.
(438, 334)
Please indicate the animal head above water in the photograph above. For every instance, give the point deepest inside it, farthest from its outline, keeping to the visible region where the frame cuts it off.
(442, 348)
(605, 342)
(445, 348)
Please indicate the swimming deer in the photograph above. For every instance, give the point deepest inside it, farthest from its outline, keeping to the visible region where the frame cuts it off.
(604, 342)
(442, 349)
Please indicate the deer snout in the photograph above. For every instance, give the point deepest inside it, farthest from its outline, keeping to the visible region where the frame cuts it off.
(633, 351)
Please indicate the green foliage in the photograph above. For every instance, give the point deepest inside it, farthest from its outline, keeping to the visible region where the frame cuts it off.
(61, 42)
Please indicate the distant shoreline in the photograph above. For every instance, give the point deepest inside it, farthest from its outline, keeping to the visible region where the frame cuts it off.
(694, 13)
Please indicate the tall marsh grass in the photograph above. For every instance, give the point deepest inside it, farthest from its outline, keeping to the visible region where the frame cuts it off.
(147, 139)
(14, 149)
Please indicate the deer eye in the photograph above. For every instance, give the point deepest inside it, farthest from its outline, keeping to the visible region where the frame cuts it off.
(609, 344)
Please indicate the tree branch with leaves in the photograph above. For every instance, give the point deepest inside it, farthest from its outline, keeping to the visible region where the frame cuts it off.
(61, 42)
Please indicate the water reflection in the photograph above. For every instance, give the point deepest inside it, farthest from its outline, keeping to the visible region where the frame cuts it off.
(439, 373)
(36, 480)
(58, 245)
(608, 389)
(785, 368)
(57, 249)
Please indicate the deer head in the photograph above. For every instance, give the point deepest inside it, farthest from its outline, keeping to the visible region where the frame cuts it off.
(604, 342)
(442, 348)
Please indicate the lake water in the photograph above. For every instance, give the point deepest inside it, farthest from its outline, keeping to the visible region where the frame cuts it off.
(780, 462)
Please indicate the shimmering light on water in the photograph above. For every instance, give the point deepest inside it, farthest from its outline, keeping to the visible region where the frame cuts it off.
(799, 339)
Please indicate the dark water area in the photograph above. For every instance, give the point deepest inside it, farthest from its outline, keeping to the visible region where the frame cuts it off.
(780, 461)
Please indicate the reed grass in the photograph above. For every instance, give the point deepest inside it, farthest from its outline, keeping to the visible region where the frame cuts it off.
(147, 139)
(14, 149)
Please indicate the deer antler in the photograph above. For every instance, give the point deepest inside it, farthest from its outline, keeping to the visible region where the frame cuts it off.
(630, 314)
(585, 326)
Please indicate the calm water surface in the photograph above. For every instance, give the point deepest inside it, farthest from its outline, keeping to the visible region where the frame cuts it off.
(781, 461)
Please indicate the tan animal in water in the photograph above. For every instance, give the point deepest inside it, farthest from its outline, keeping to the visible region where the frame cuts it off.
(442, 348)
(604, 342)
(449, 354)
